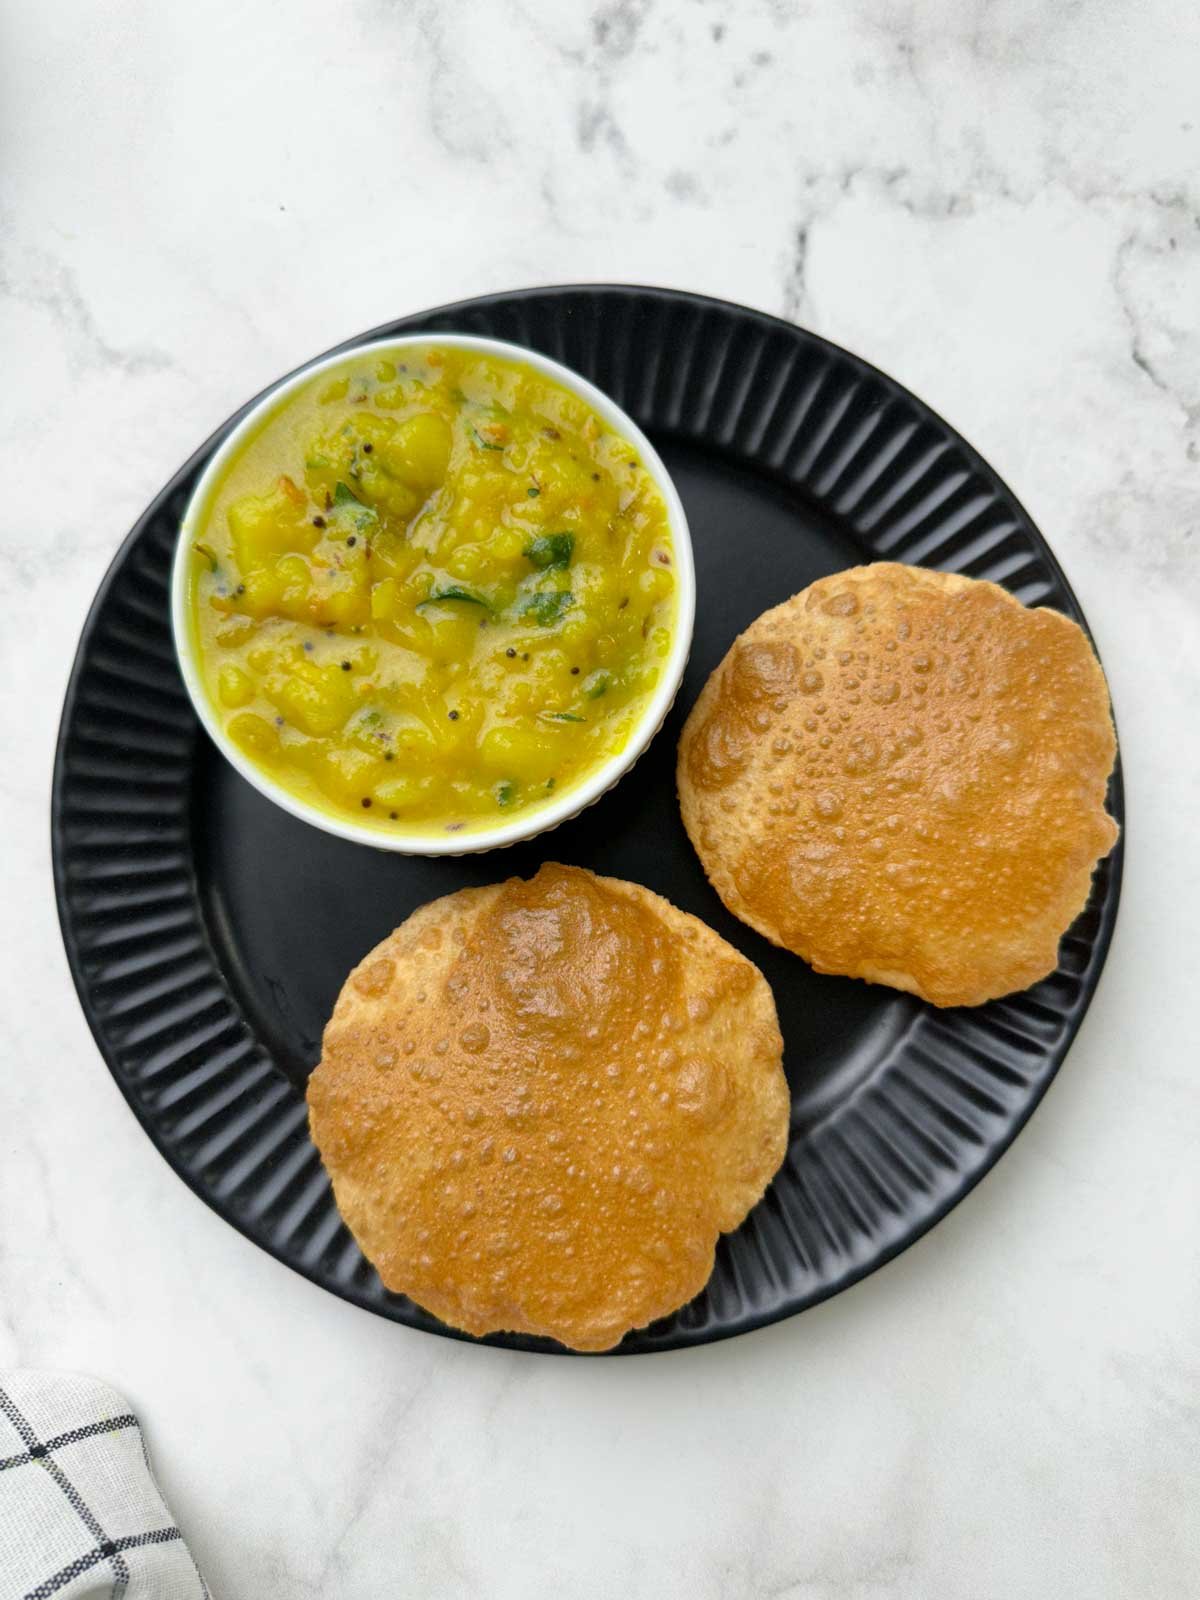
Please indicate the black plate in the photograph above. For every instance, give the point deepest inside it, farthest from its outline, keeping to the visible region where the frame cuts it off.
(209, 932)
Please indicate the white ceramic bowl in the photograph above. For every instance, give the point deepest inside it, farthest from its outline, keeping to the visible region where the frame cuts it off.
(536, 819)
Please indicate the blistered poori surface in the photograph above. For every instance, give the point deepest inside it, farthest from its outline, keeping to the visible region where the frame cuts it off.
(900, 775)
(541, 1102)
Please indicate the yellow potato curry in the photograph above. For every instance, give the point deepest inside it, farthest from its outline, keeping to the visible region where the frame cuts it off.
(432, 591)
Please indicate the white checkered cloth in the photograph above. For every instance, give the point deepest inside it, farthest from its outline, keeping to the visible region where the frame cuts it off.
(81, 1517)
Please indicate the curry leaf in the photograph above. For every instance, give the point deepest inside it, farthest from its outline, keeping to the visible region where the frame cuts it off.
(547, 608)
(363, 517)
(551, 550)
(453, 591)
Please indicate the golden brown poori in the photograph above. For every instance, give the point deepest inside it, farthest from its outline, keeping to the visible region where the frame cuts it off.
(900, 775)
(541, 1102)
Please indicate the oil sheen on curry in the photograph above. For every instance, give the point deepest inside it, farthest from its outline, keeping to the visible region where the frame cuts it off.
(432, 592)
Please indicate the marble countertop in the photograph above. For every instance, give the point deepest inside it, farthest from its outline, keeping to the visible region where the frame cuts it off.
(998, 202)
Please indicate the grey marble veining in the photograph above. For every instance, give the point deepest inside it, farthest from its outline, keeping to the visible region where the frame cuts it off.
(997, 201)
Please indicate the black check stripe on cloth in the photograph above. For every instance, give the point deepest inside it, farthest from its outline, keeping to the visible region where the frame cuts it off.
(36, 1451)
(81, 1517)
(111, 1550)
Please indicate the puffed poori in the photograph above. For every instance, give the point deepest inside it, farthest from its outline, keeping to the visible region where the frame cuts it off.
(900, 775)
(540, 1103)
